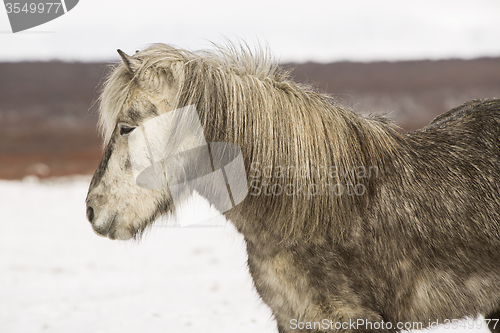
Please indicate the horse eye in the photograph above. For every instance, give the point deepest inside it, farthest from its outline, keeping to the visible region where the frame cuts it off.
(125, 130)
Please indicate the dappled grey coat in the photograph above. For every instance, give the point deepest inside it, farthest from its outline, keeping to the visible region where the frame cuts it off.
(381, 229)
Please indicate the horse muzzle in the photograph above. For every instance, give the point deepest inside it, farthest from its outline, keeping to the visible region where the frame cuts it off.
(106, 226)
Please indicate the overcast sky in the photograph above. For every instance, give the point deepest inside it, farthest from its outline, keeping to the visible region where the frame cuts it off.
(309, 30)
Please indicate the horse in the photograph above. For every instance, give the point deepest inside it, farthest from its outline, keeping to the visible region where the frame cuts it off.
(349, 225)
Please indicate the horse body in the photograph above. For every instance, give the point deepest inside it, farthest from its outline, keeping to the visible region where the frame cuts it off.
(419, 244)
(426, 248)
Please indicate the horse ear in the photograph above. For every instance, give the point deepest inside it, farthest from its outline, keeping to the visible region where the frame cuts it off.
(130, 63)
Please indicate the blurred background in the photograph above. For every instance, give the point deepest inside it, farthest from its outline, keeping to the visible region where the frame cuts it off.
(412, 60)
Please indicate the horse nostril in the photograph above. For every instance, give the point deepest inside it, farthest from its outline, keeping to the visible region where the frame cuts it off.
(90, 214)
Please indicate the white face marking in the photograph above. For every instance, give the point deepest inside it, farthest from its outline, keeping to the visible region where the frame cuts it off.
(156, 166)
(119, 207)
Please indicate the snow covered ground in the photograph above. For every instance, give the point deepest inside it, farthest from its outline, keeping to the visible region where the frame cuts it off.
(56, 275)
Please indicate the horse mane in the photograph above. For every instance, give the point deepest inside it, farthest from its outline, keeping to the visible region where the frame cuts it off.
(244, 97)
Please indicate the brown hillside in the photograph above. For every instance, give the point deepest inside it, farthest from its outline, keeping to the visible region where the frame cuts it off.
(412, 92)
(48, 114)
